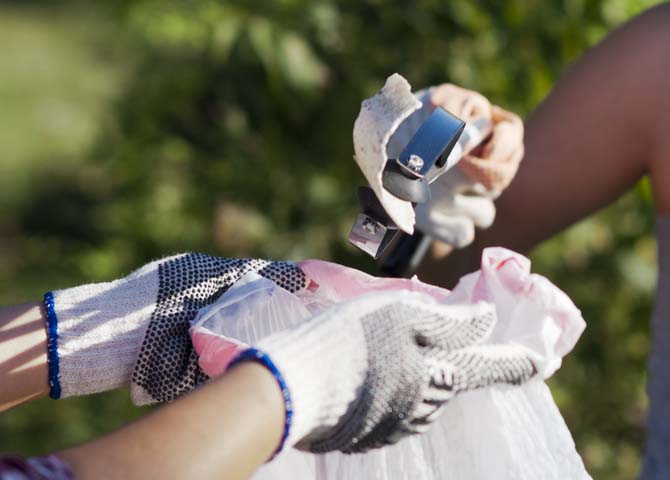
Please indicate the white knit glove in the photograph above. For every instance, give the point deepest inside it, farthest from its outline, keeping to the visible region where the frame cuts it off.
(457, 205)
(374, 369)
(462, 198)
(101, 334)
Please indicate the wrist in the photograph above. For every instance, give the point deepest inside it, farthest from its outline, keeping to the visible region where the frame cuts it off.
(255, 356)
(322, 375)
(23, 357)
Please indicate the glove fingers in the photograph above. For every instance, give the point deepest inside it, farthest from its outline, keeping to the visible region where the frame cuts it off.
(453, 327)
(430, 405)
(497, 162)
(425, 415)
(453, 229)
(465, 104)
(468, 369)
(479, 209)
(456, 206)
(481, 366)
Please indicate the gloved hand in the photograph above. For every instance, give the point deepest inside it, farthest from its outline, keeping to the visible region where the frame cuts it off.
(462, 198)
(371, 370)
(101, 334)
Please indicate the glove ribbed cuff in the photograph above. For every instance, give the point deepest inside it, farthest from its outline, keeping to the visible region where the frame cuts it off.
(252, 354)
(94, 332)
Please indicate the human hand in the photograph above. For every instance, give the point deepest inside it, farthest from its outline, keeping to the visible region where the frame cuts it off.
(371, 370)
(462, 198)
(100, 335)
(495, 162)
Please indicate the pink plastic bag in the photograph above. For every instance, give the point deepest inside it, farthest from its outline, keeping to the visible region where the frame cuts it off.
(501, 432)
(255, 307)
(531, 310)
(251, 309)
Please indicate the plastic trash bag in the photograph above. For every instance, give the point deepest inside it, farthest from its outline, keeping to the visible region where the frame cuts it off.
(251, 309)
(499, 432)
(255, 307)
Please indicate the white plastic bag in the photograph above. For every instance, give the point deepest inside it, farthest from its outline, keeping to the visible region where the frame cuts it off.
(501, 432)
(251, 309)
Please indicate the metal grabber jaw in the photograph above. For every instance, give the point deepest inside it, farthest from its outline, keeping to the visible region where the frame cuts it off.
(408, 177)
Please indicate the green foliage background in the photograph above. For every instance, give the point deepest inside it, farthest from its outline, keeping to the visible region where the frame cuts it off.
(139, 128)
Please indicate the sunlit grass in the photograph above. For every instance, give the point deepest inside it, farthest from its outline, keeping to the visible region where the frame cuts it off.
(56, 76)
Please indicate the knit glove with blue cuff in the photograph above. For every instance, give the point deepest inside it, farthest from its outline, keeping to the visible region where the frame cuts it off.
(462, 198)
(100, 336)
(369, 371)
(363, 374)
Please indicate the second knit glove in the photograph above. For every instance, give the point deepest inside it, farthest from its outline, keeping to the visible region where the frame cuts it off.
(101, 335)
(374, 369)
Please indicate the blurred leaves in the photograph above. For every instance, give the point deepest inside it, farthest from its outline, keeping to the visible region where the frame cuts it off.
(230, 132)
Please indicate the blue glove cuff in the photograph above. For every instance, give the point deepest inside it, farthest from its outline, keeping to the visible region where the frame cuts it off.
(52, 346)
(252, 354)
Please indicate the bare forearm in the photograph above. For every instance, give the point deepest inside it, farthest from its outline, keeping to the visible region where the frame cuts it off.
(600, 130)
(23, 354)
(226, 429)
(594, 137)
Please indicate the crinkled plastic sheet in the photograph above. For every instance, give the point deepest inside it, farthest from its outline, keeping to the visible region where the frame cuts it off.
(500, 432)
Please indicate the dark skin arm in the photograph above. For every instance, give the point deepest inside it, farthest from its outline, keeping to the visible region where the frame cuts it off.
(603, 127)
